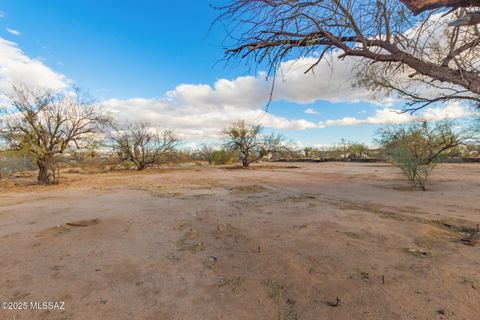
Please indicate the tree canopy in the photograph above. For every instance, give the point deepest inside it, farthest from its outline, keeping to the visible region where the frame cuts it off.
(44, 124)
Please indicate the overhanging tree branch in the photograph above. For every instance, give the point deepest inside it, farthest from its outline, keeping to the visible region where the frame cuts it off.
(379, 36)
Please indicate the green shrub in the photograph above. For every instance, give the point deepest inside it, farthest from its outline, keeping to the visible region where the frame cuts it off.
(222, 157)
(417, 147)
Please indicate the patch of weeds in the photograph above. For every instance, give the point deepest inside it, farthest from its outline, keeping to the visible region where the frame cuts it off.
(191, 234)
(418, 252)
(198, 247)
(157, 191)
(186, 242)
(211, 264)
(372, 208)
(390, 215)
(359, 274)
(455, 225)
(275, 290)
(352, 235)
(288, 312)
(249, 189)
(61, 230)
(461, 233)
(234, 283)
(425, 243)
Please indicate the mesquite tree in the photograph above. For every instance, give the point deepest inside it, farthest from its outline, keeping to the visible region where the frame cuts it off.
(426, 54)
(205, 152)
(142, 144)
(45, 124)
(247, 139)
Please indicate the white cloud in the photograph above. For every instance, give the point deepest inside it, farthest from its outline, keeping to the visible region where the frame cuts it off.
(2, 14)
(451, 111)
(196, 121)
(331, 80)
(13, 31)
(394, 116)
(381, 116)
(17, 68)
(310, 111)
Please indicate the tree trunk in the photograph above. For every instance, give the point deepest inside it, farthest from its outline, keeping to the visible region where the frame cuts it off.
(245, 161)
(43, 177)
(140, 165)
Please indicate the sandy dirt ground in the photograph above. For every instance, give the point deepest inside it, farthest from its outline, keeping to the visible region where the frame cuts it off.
(279, 241)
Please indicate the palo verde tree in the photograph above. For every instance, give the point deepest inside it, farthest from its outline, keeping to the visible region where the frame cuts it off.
(142, 144)
(416, 148)
(45, 124)
(427, 52)
(250, 143)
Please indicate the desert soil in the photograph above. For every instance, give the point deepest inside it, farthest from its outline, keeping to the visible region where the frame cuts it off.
(272, 242)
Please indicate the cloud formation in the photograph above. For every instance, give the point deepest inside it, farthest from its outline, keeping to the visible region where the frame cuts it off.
(194, 120)
(310, 111)
(13, 31)
(201, 111)
(17, 68)
(332, 80)
(394, 116)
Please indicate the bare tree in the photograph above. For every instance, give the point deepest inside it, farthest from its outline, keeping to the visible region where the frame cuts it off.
(247, 139)
(45, 124)
(425, 58)
(205, 152)
(416, 148)
(143, 145)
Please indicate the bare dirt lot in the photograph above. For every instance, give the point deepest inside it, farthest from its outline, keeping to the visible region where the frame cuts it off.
(273, 242)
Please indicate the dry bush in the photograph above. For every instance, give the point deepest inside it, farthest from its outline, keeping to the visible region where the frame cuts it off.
(143, 145)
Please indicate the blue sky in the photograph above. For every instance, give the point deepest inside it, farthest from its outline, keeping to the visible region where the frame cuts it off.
(136, 56)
